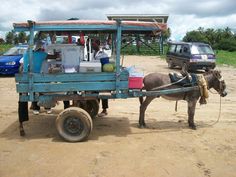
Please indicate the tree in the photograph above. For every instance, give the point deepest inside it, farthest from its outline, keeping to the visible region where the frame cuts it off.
(195, 36)
(40, 36)
(2, 41)
(22, 37)
(227, 33)
(210, 35)
(166, 34)
(10, 37)
(15, 38)
(223, 39)
(227, 44)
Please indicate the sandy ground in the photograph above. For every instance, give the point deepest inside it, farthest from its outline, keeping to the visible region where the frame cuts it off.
(117, 147)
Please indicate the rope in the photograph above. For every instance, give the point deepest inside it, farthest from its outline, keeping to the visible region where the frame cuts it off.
(212, 92)
(167, 85)
(219, 115)
(217, 120)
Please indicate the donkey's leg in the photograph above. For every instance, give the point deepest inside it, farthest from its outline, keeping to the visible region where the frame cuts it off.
(191, 112)
(142, 110)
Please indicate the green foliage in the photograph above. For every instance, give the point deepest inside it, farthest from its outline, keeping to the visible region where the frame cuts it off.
(10, 38)
(13, 38)
(22, 37)
(221, 39)
(166, 34)
(227, 44)
(4, 47)
(195, 36)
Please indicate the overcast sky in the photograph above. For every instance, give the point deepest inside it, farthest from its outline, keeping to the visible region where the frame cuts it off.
(184, 15)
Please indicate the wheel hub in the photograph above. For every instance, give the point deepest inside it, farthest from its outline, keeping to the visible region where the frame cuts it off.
(73, 126)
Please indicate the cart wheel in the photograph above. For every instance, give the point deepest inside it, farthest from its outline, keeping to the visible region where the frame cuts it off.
(91, 106)
(74, 124)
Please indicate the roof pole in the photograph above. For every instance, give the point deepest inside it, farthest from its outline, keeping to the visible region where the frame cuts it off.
(30, 56)
(118, 48)
(31, 44)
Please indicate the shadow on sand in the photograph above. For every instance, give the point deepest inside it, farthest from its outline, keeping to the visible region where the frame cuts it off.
(43, 127)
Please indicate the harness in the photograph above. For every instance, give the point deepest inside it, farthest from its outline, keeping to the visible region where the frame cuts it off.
(183, 81)
(191, 80)
(202, 84)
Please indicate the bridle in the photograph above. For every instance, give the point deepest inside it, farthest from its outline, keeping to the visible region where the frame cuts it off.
(221, 89)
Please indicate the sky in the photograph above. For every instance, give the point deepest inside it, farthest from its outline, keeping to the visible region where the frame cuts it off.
(184, 15)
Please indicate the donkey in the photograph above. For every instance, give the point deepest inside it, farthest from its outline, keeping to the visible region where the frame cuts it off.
(158, 81)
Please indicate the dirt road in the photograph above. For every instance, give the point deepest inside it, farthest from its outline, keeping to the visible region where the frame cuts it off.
(116, 147)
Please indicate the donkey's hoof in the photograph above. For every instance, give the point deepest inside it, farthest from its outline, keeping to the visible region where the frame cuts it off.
(22, 133)
(142, 126)
(193, 127)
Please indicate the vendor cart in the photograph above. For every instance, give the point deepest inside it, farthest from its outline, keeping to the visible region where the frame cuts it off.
(66, 83)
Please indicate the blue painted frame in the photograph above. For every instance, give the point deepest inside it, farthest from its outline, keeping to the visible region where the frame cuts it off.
(30, 84)
(52, 87)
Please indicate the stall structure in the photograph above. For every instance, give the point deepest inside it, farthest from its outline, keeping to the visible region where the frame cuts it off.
(142, 43)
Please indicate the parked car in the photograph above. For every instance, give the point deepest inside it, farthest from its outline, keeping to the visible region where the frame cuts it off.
(190, 56)
(10, 60)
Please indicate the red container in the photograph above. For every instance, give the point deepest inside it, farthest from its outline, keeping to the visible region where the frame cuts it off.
(135, 82)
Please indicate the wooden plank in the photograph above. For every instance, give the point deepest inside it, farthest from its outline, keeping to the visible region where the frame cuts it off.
(70, 86)
(138, 93)
(71, 77)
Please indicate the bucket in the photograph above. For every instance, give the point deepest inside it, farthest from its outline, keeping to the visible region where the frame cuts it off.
(39, 57)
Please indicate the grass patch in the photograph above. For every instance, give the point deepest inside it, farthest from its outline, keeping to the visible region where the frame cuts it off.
(4, 47)
(225, 57)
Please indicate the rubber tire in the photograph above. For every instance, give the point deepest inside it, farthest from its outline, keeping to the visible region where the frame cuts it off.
(91, 106)
(77, 113)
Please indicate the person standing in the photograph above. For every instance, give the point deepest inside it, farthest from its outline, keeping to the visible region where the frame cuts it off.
(96, 48)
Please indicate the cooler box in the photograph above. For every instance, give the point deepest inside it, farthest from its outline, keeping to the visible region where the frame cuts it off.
(39, 57)
(135, 82)
(70, 58)
(90, 67)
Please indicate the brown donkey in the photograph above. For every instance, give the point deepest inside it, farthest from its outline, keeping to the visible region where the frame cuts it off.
(156, 81)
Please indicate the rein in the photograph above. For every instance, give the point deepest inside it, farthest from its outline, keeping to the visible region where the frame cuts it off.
(167, 85)
(219, 115)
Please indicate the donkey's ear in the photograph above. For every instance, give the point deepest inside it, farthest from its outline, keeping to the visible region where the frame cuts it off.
(216, 70)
